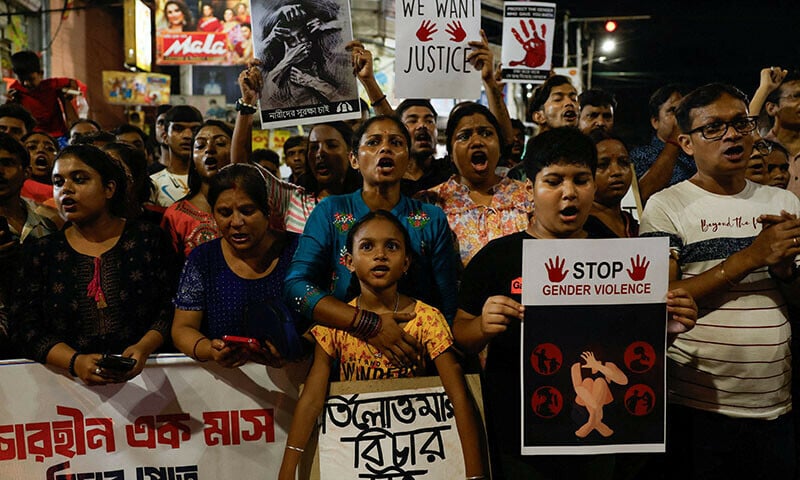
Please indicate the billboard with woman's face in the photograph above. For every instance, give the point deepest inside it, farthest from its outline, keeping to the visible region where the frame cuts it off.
(203, 32)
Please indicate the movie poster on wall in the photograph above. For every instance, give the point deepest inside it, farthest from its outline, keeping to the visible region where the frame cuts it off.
(308, 74)
(431, 38)
(593, 346)
(214, 32)
(528, 33)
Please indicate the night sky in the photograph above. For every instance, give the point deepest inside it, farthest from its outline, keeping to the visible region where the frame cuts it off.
(687, 42)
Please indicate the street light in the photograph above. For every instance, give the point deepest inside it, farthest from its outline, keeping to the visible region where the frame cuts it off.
(608, 45)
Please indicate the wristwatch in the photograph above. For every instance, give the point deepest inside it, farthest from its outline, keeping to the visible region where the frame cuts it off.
(245, 108)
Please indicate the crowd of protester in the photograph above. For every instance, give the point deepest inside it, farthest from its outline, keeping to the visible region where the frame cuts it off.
(378, 259)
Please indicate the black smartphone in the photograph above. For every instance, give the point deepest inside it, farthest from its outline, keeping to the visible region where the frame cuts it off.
(116, 363)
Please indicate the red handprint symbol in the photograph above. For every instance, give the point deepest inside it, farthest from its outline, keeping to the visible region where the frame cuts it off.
(425, 31)
(638, 268)
(554, 269)
(532, 43)
(456, 31)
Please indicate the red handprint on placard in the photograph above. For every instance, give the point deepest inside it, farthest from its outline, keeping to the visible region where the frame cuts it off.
(426, 29)
(456, 31)
(555, 270)
(638, 268)
(534, 45)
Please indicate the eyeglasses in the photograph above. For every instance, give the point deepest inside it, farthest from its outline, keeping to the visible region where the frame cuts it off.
(717, 130)
(763, 147)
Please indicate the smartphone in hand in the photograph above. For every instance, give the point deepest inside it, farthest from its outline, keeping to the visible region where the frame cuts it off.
(116, 363)
(236, 340)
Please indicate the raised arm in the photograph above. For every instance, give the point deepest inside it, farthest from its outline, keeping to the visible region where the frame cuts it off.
(482, 59)
(250, 85)
(363, 70)
(769, 79)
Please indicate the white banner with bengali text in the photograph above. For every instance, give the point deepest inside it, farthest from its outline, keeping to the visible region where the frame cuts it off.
(178, 420)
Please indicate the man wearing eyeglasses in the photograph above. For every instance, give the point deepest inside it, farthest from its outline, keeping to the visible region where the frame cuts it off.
(733, 245)
(783, 106)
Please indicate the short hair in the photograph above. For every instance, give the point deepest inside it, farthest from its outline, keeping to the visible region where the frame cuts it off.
(90, 138)
(240, 175)
(247, 25)
(559, 145)
(777, 147)
(542, 93)
(775, 95)
(414, 102)
(364, 126)
(293, 141)
(25, 63)
(702, 96)
(260, 154)
(161, 109)
(109, 169)
(466, 109)
(597, 97)
(517, 123)
(183, 113)
(128, 128)
(15, 110)
(15, 148)
(44, 134)
(85, 120)
(660, 96)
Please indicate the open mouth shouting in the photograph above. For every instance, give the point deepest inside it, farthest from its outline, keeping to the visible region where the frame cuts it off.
(68, 204)
(734, 153)
(479, 161)
(570, 116)
(386, 165)
(569, 214)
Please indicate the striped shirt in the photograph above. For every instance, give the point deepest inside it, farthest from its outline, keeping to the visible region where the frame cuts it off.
(736, 361)
(291, 202)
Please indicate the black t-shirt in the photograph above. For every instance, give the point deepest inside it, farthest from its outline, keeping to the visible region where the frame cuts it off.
(494, 270)
(497, 270)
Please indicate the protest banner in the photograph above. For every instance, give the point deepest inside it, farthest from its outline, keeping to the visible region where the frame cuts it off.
(431, 38)
(219, 33)
(308, 74)
(528, 31)
(127, 88)
(593, 346)
(178, 420)
(390, 429)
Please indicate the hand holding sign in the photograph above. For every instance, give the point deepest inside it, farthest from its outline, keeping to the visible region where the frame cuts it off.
(482, 58)
(534, 45)
(456, 31)
(425, 31)
(361, 59)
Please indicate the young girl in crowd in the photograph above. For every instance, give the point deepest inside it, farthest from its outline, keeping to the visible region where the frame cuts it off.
(378, 256)
(328, 169)
(103, 284)
(230, 284)
(189, 221)
(317, 281)
(612, 179)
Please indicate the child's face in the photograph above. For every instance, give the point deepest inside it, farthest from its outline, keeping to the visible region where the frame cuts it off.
(562, 196)
(31, 80)
(614, 175)
(379, 256)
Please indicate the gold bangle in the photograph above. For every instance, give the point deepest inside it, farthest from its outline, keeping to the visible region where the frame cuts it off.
(296, 449)
(194, 349)
(725, 276)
